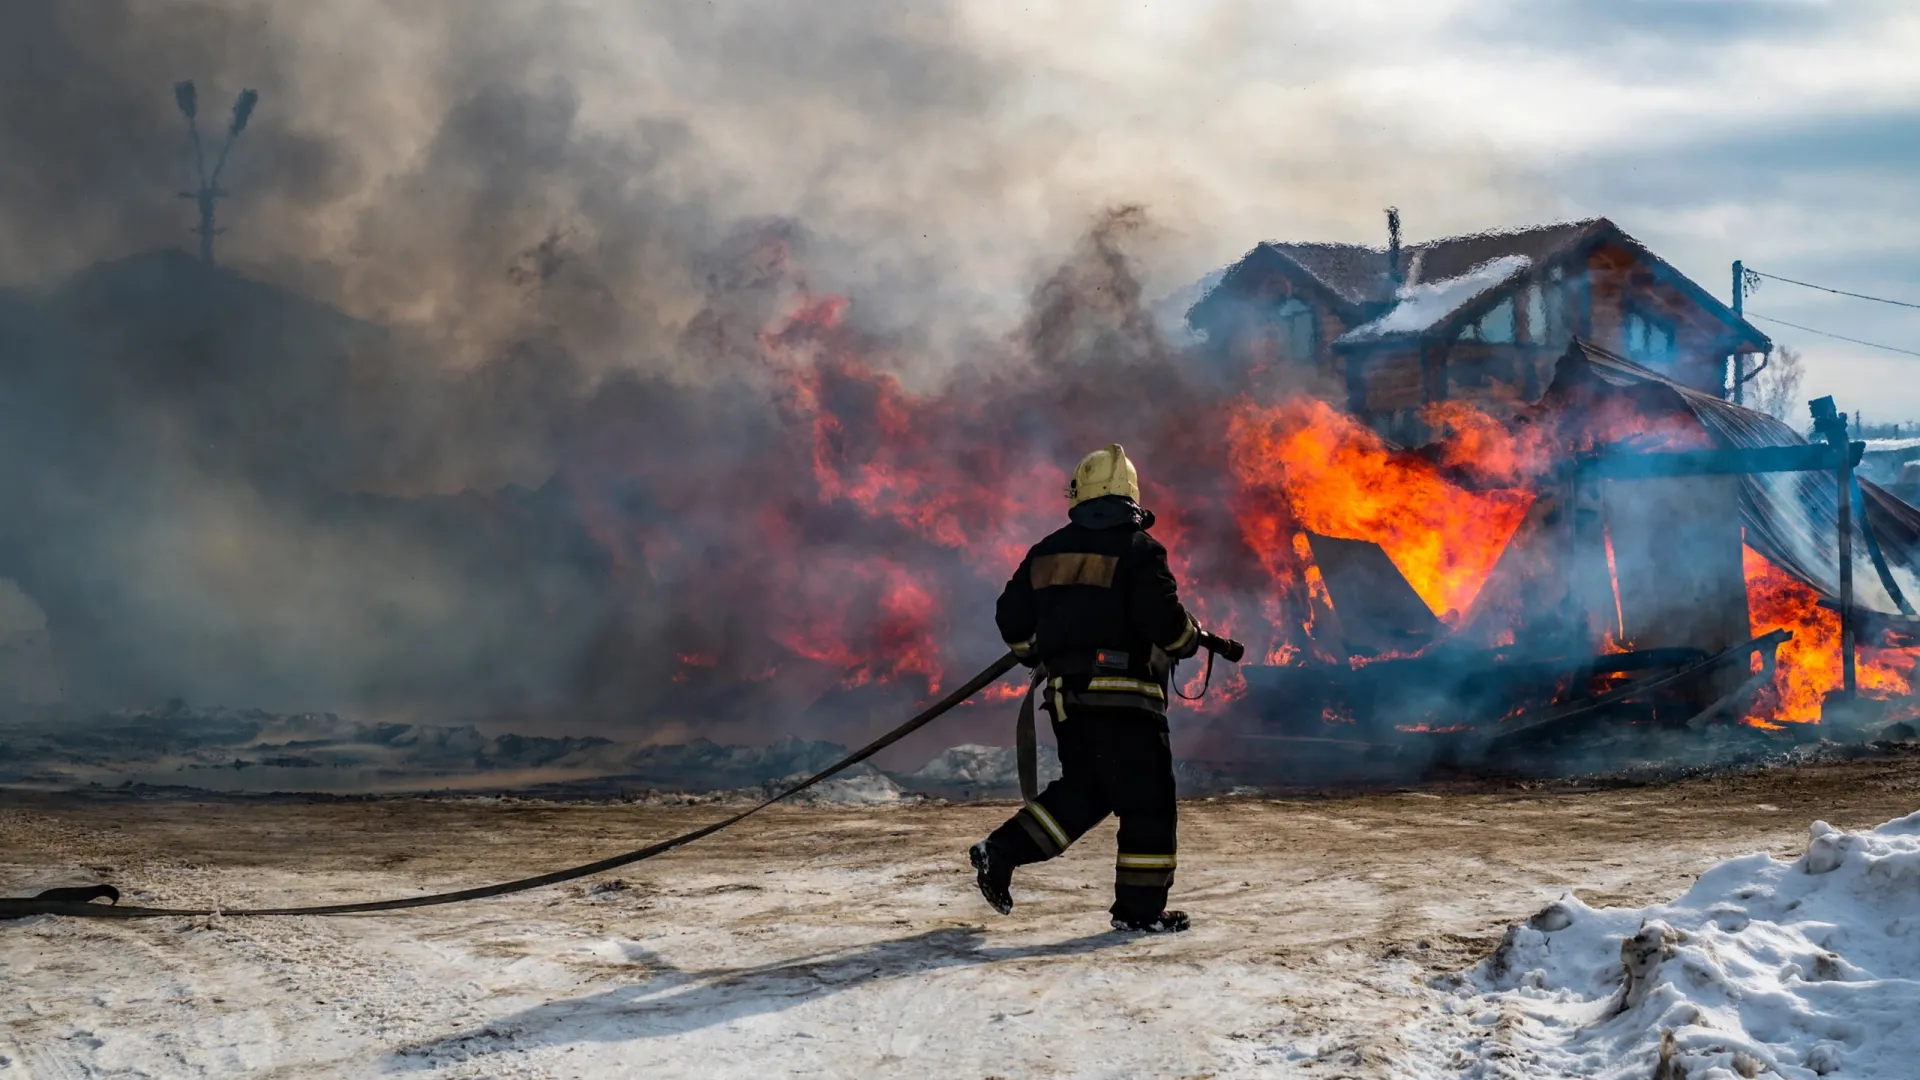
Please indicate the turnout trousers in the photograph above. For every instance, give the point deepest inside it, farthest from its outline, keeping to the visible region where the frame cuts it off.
(1112, 761)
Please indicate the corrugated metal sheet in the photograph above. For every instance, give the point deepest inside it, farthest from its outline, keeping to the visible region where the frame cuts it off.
(1791, 517)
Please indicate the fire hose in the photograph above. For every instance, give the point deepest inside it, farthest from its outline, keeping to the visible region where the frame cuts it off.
(69, 901)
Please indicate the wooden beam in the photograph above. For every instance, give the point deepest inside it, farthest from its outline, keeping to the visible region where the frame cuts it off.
(1760, 459)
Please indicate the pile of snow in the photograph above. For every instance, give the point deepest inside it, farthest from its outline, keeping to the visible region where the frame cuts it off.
(1797, 969)
(861, 785)
(1194, 780)
(973, 765)
(1422, 305)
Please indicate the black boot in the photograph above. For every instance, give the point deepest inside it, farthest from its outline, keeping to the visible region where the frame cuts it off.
(1167, 922)
(994, 874)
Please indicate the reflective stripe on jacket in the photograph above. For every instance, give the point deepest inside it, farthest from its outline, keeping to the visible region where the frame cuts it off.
(1097, 603)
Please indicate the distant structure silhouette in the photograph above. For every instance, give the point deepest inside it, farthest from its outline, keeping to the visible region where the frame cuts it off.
(185, 96)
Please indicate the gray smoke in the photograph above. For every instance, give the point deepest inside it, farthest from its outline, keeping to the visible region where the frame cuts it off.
(228, 492)
(490, 308)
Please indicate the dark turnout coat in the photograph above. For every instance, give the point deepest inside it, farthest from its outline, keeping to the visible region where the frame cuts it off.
(1098, 605)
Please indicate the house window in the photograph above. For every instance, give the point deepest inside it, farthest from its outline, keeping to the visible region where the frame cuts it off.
(1556, 329)
(1649, 340)
(1295, 321)
(1554, 326)
(1495, 327)
(1537, 315)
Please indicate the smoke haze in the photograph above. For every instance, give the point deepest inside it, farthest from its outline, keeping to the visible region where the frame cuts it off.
(600, 364)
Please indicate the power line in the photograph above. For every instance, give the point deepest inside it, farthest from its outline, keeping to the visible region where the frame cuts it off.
(1836, 292)
(1837, 337)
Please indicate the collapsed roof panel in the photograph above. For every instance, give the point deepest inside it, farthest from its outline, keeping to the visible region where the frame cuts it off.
(1379, 611)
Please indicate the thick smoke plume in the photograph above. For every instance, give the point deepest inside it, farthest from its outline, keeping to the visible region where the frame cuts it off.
(654, 366)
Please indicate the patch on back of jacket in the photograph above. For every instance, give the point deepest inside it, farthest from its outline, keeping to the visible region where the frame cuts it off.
(1109, 660)
(1074, 568)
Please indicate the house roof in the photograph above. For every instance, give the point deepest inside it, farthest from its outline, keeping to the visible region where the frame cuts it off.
(1354, 274)
(1359, 274)
(1357, 279)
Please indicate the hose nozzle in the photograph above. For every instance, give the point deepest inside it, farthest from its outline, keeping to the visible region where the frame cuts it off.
(1225, 648)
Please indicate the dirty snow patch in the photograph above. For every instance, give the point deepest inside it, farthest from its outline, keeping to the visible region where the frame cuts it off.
(973, 765)
(1766, 967)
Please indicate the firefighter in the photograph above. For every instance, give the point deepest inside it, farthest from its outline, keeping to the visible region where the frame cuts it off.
(1095, 608)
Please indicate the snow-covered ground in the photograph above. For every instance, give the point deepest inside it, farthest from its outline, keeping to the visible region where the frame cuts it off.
(1331, 937)
(830, 944)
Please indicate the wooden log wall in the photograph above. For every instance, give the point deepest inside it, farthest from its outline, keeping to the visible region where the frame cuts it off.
(1619, 281)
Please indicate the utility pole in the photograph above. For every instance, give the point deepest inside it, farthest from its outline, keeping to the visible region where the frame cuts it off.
(1744, 282)
(209, 189)
(1739, 303)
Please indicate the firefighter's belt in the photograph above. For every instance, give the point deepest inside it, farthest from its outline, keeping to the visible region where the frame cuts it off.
(59, 904)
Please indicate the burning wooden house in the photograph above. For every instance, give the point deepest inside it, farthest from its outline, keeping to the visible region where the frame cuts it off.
(1552, 515)
(1481, 319)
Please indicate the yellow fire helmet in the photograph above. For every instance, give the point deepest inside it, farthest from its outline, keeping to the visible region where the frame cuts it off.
(1104, 472)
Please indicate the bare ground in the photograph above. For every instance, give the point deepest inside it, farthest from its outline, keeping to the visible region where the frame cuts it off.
(828, 942)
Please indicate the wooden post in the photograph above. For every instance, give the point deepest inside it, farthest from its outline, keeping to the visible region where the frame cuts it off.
(1848, 685)
(1833, 425)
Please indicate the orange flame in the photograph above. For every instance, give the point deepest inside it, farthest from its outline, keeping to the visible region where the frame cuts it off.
(1809, 666)
(892, 462)
(1613, 576)
(1482, 447)
(868, 617)
(1316, 582)
(1340, 480)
